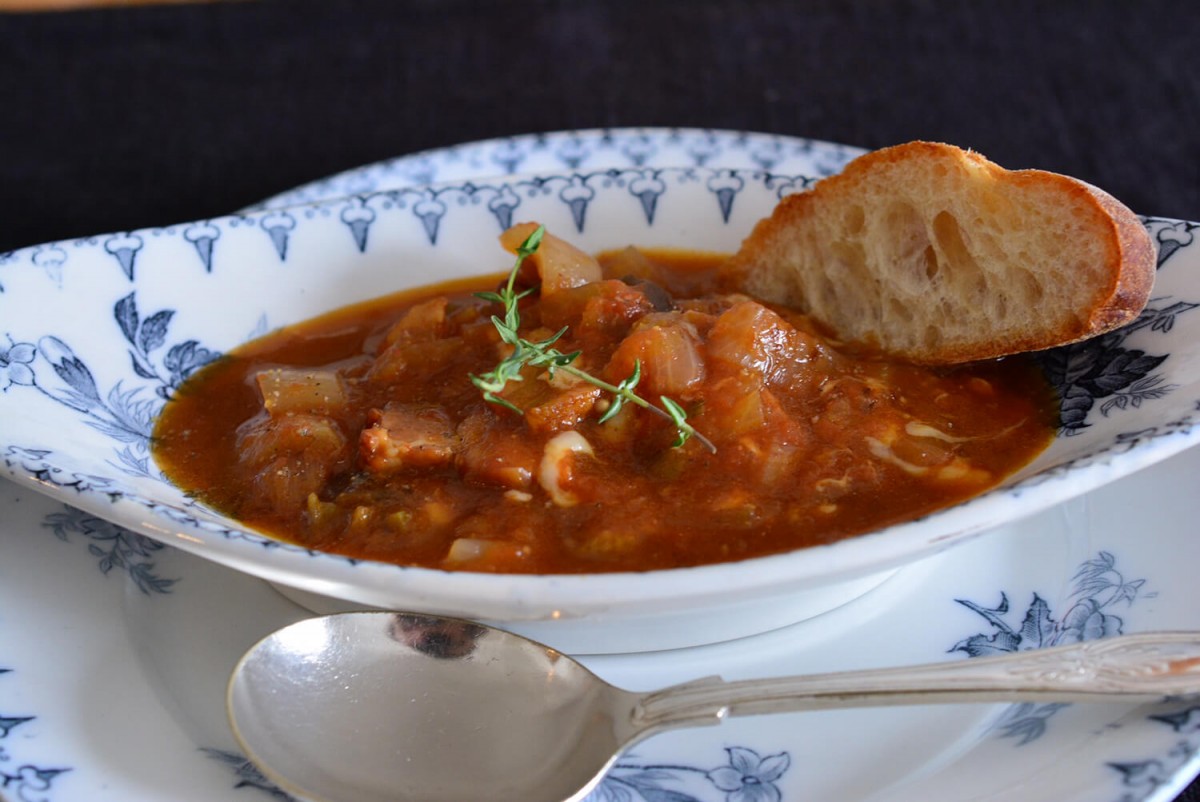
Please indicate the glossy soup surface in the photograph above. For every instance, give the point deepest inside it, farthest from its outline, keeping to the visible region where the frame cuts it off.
(361, 432)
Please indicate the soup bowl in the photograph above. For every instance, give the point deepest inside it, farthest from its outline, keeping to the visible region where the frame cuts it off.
(97, 333)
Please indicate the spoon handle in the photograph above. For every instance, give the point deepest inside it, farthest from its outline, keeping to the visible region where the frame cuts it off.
(1143, 667)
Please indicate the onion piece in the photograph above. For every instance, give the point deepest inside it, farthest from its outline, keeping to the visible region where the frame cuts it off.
(290, 391)
(669, 353)
(558, 263)
(760, 342)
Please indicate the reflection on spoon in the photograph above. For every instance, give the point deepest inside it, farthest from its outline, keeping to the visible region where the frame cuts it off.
(400, 706)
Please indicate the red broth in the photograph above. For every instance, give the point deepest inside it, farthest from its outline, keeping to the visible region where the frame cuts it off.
(361, 432)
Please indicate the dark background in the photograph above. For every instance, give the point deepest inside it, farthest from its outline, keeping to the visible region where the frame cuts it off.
(130, 117)
(133, 117)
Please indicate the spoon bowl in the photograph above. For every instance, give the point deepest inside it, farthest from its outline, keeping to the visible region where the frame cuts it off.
(380, 706)
(398, 706)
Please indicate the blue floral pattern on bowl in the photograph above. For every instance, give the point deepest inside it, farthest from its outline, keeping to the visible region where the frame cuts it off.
(1098, 588)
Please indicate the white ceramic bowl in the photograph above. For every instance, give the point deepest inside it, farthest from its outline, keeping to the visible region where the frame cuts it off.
(96, 332)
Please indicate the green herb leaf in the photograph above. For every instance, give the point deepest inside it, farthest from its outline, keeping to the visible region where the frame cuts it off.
(542, 355)
(623, 393)
(495, 399)
(531, 243)
(679, 418)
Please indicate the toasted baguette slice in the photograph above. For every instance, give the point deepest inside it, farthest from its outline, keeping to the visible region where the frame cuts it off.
(937, 255)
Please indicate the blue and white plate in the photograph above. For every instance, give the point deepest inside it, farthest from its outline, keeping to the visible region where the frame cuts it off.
(86, 604)
(114, 651)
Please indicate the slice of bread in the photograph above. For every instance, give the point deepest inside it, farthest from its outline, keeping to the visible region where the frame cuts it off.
(936, 255)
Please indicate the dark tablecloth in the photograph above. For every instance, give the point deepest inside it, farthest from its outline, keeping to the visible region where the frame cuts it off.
(125, 118)
(130, 117)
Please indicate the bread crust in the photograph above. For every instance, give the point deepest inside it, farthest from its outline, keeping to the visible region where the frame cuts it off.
(868, 291)
(1138, 258)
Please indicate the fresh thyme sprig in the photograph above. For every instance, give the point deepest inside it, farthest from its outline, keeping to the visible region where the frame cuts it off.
(542, 354)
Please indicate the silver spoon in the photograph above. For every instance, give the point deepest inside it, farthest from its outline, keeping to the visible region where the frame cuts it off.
(372, 706)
